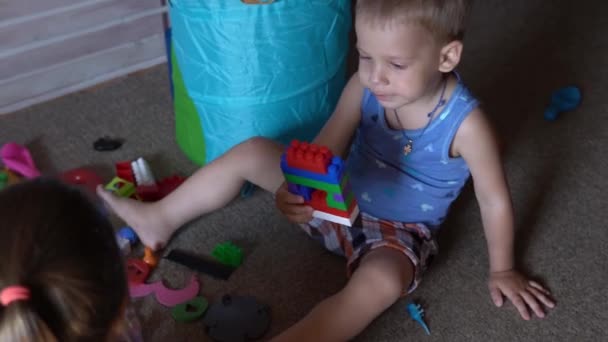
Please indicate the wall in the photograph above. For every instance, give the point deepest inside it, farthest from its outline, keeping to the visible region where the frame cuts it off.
(49, 48)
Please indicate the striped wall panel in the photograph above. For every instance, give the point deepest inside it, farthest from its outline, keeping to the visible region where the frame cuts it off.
(53, 47)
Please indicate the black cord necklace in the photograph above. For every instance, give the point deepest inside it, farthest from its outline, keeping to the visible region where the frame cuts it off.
(409, 146)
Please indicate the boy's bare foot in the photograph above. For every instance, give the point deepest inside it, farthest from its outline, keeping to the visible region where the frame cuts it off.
(145, 218)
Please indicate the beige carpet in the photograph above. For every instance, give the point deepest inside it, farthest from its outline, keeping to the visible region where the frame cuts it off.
(517, 52)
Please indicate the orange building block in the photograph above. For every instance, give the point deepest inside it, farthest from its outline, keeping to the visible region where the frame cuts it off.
(150, 258)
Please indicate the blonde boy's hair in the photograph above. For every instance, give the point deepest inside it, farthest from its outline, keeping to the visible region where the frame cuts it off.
(445, 19)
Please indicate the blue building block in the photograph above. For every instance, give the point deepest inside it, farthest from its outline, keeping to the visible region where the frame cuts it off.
(304, 191)
(335, 171)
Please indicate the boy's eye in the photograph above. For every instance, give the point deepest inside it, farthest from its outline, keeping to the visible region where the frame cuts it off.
(364, 57)
(398, 66)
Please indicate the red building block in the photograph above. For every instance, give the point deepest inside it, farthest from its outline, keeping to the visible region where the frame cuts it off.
(309, 157)
(137, 271)
(149, 193)
(124, 171)
(166, 185)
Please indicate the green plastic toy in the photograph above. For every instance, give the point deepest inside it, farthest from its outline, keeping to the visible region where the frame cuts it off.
(190, 310)
(3, 179)
(228, 254)
(121, 187)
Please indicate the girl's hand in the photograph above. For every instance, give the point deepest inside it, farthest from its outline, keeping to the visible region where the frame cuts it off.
(292, 205)
(521, 291)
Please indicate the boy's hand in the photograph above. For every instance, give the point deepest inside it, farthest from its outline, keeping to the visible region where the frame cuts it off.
(521, 291)
(292, 205)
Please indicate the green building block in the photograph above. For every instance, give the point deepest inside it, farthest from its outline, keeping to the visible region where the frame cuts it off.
(315, 184)
(228, 254)
(121, 187)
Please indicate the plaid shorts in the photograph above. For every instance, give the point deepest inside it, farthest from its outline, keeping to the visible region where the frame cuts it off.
(415, 240)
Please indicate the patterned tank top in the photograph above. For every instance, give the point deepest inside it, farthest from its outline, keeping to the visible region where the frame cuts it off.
(419, 187)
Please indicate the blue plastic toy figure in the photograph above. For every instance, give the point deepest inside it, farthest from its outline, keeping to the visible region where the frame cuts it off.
(563, 100)
(129, 234)
(417, 314)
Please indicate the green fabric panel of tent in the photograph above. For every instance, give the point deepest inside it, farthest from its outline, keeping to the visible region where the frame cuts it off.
(189, 131)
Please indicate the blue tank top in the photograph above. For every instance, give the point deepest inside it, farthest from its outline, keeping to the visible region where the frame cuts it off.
(419, 187)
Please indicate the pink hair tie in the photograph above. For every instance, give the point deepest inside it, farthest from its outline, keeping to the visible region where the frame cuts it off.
(14, 293)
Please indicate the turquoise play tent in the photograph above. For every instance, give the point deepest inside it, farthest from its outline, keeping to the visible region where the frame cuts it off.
(241, 70)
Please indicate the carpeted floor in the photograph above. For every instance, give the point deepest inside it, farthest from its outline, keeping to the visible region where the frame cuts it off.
(517, 52)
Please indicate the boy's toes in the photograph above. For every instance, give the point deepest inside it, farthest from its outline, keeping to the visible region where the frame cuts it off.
(101, 192)
(106, 195)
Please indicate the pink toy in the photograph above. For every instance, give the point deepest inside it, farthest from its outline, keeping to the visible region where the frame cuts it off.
(17, 158)
(165, 296)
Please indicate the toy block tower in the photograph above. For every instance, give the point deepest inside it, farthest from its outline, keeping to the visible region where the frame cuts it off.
(314, 173)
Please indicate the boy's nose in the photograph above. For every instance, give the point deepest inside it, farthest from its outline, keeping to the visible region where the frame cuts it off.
(377, 76)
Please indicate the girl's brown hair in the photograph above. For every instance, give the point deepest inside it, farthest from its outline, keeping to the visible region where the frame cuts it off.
(445, 19)
(57, 244)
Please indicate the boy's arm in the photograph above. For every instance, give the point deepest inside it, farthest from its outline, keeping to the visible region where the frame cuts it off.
(336, 134)
(338, 131)
(476, 143)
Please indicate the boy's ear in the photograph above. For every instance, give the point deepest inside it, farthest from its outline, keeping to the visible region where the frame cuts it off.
(450, 56)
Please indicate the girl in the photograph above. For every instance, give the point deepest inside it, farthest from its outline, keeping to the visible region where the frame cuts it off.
(61, 273)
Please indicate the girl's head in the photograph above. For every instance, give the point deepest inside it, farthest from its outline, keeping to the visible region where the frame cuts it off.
(406, 45)
(56, 245)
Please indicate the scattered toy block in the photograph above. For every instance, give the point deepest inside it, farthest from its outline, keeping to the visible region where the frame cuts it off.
(124, 171)
(143, 172)
(148, 193)
(150, 258)
(228, 254)
(201, 264)
(137, 271)
(121, 187)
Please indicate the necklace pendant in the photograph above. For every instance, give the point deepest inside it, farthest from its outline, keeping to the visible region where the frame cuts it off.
(407, 149)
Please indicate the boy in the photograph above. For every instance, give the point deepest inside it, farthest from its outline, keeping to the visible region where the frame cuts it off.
(418, 135)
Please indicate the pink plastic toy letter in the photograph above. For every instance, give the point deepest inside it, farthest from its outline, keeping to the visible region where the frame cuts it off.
(164, 295)
(17, 158)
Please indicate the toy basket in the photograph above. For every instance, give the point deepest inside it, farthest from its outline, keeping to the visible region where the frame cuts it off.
(275, 68)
